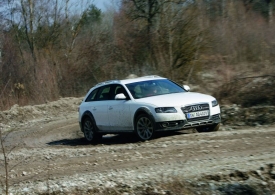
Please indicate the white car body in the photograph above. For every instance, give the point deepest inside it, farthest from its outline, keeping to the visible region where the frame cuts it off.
(118, 113)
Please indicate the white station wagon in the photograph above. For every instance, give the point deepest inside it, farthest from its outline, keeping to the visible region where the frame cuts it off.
(144, 106)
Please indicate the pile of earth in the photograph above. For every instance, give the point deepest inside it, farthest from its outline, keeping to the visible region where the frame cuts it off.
(29, 115)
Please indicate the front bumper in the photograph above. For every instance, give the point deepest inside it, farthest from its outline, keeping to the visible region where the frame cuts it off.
(184, 124)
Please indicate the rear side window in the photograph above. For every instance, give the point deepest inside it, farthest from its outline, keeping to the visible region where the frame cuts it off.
(92, 96)
(103, 93)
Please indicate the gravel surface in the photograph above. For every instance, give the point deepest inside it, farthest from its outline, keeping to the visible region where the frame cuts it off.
(48, 155)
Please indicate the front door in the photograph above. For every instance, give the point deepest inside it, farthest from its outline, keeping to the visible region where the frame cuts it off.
(119, 111)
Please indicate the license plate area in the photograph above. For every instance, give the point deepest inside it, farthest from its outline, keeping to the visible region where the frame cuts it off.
(198, 114)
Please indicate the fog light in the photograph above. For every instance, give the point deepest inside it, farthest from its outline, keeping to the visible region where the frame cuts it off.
(165, 124)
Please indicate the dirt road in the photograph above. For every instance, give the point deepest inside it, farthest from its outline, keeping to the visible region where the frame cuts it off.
(53, 157)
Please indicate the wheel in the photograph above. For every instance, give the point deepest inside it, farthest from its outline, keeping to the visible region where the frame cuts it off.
(144, 127)
(89, 130)
(209, 128)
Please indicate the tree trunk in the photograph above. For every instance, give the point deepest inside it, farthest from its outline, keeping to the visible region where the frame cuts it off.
(270, 12)
(28, 17)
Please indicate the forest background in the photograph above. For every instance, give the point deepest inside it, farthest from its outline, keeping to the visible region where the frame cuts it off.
(48, 49)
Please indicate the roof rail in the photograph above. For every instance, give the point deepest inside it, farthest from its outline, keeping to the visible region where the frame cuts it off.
(107, 82)
(152, 76)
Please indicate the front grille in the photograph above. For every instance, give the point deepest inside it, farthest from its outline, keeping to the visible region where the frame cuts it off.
(196, 108)
(187, 109)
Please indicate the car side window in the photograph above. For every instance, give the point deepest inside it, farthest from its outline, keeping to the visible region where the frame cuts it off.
(104, 93)
(92, 96)
(117, 89)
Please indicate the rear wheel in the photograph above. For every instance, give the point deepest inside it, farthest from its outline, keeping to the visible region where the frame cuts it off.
(208, 128)
(144, 127)
(89, 130)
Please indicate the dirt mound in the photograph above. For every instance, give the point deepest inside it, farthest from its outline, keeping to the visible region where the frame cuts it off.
(28, 115)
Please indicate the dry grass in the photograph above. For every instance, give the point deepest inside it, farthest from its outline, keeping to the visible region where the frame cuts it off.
(250, 91)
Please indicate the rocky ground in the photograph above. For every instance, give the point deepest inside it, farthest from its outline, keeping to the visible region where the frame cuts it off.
(48, 155)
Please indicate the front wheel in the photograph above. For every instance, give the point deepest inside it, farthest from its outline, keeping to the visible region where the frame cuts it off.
(208, 128)
(89, 130)
(144, 127)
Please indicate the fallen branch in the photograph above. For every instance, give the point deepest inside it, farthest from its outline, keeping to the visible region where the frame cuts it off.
(5, 164)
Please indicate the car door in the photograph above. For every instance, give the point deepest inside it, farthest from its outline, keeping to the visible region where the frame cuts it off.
(119, 115)
(99, 107)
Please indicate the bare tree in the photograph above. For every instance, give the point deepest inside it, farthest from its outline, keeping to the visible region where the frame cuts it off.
(146, 10)
(177, 38)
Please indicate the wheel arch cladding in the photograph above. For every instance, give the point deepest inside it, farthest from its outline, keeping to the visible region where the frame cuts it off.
(142, 110)
(87, 114)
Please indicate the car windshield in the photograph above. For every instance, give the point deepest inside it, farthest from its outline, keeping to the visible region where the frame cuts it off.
(153, 87)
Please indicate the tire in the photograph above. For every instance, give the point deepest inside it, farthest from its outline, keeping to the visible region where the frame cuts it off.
(144, 127)
(209, 128)
(89, 130)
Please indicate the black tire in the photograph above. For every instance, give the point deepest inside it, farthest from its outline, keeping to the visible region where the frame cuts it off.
(144, 127)
(89, 130)
(209, 128)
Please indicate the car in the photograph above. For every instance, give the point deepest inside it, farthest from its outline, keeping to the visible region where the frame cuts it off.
(144, 106)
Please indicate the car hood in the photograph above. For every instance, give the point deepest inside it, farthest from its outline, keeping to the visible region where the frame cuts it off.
(177, 99)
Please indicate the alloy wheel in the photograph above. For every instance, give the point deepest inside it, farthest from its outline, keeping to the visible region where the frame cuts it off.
(88, 130)
(144, 128)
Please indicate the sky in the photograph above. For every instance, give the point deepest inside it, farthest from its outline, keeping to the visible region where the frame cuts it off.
(78, 6)
(101, 4)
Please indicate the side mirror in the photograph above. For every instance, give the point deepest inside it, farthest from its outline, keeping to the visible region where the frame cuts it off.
(120, 96)
(186, 87)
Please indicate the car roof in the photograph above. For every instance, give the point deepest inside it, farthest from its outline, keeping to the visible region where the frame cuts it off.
(125, 81)
(131, 80)
(144, 78)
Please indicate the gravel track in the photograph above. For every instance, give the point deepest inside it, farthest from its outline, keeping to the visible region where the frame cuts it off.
(52, 156)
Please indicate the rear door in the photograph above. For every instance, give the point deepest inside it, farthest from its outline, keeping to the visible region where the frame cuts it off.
(99, 107)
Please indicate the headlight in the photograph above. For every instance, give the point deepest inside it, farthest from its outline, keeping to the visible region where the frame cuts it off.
(165, 110)
(214, 103)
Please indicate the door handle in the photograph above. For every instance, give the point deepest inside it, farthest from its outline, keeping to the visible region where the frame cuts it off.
(110, 108)
(94, 109)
